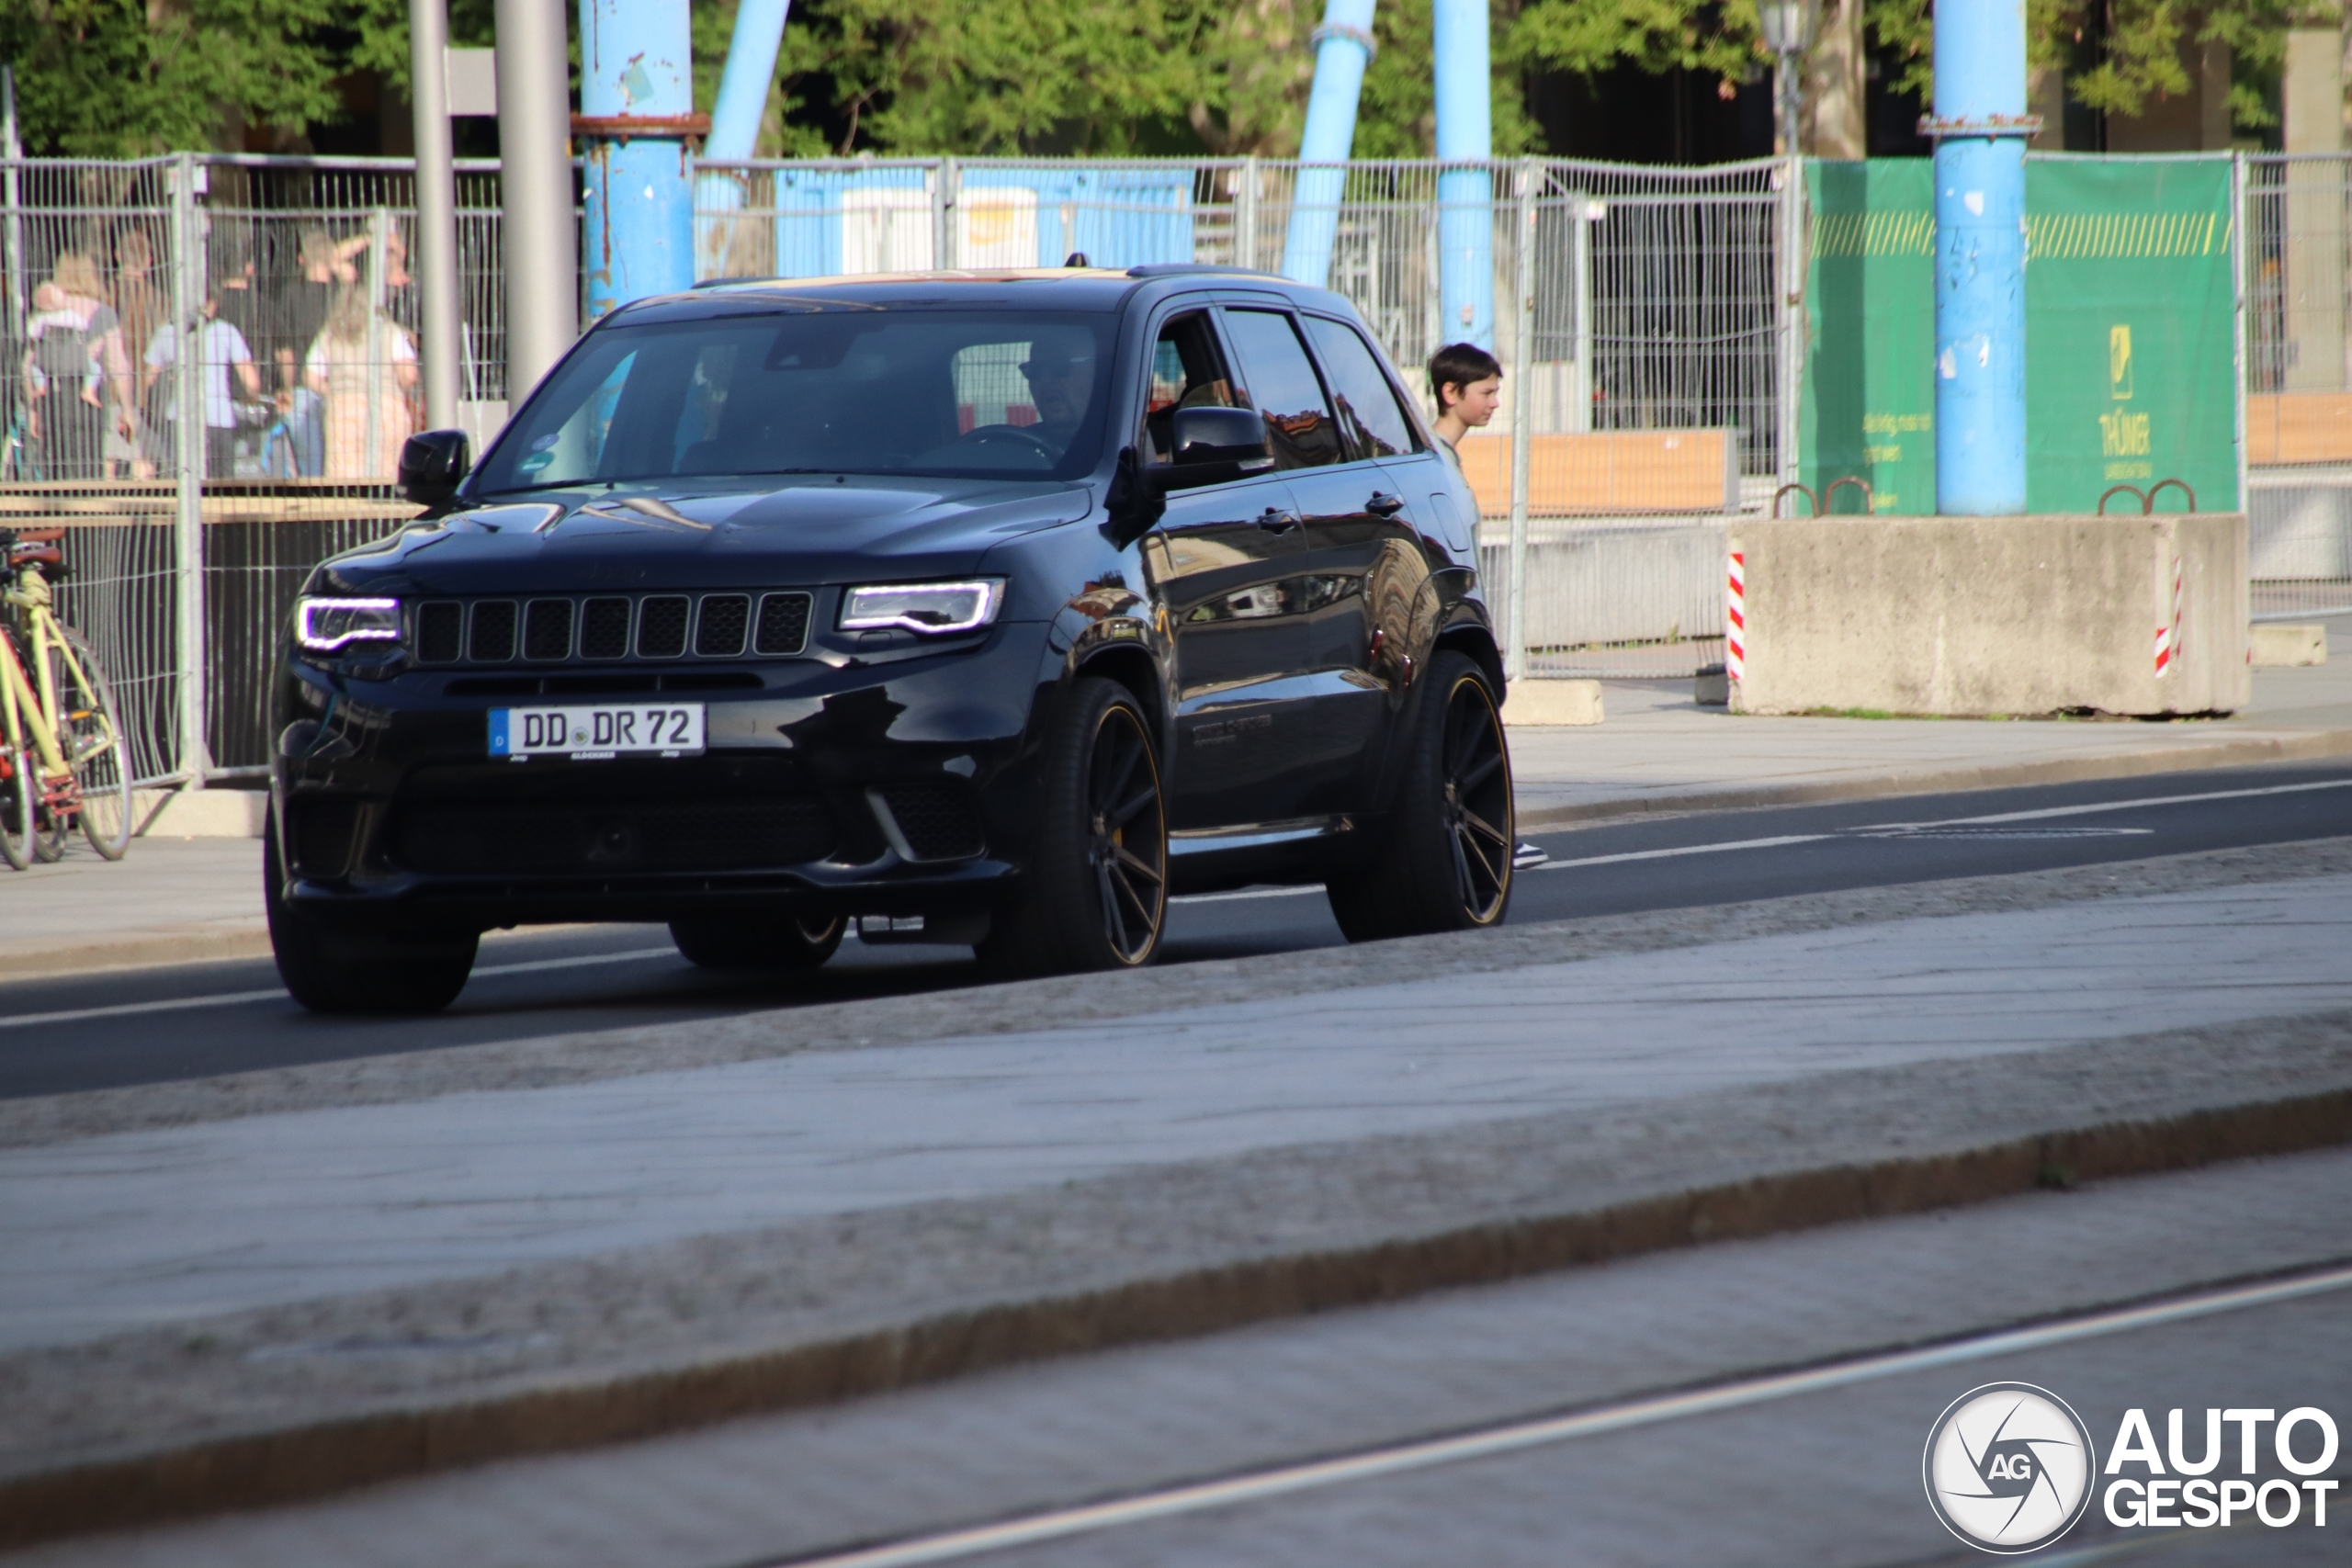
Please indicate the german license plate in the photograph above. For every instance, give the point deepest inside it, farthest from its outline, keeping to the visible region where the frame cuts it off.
(596, 733)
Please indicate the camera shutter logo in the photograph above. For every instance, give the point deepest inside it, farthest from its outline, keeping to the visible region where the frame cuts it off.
(2008, 1467)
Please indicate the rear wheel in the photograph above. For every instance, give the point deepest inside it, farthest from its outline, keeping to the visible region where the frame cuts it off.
(1444, 864)
(333, 968)
(783, 946)
(17, 794)
(1095, 892)
(89, 733)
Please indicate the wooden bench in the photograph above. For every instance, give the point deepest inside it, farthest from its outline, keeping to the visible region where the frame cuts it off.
(1609, 472)
(2299, 427)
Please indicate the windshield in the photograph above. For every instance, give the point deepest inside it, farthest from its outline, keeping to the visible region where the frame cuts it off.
(855, 390)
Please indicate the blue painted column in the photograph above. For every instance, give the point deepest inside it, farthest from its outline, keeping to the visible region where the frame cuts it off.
(1343, 47)
(1981, 127)
(743, 89)
(1465, 232)
(637, 105)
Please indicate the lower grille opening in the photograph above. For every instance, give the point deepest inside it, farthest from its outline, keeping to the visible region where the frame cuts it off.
(322, 835)
(618, 836)
(939, 822)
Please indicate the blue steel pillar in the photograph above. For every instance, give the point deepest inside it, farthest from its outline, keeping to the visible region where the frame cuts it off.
(636, 104)
(735, 127)
(1343, 47)
(1465, 197)
(1981, 128)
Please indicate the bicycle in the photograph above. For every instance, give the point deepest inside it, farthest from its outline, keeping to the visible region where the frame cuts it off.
(63, 760)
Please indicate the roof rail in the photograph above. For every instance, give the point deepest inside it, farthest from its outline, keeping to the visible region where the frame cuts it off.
(1177, 269)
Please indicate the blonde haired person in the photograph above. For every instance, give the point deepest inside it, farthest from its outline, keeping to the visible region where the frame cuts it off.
(339, 370)
(73, 358)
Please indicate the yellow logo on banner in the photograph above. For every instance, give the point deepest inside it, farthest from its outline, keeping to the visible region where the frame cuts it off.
(2119, 362)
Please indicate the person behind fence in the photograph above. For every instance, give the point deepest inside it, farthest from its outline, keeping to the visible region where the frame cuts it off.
(367, 387)
(1468, 382)
(74, 368)
(140, 302)
(304, 302)
(221, 352)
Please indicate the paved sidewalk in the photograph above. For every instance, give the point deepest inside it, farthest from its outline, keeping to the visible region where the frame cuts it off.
(480, 1272)
(181, 900)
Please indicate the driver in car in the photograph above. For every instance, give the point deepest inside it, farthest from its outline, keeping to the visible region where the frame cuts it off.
(1060, 373)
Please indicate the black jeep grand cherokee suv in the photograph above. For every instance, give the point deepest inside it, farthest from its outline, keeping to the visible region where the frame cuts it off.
(976, 608)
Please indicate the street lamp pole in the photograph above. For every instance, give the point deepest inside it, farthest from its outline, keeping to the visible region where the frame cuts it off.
(1788, 32)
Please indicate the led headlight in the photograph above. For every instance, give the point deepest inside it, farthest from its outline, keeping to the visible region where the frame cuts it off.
(924, 606)
(330, 626)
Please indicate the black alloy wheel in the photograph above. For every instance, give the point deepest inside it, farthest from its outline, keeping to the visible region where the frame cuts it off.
(788, 946)
(1095, 893)
(1445, 862)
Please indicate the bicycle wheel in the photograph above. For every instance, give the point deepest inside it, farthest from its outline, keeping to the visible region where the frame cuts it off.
(90, 734)
(17, 797)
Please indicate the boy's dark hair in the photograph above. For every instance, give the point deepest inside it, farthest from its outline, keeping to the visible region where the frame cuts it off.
(1458, 365)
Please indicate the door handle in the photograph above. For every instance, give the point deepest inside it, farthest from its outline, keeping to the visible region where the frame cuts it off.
(1383, 504)
(1275, 521)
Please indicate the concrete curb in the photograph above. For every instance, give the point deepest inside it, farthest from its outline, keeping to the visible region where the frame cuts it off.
(2318, 746)
(300, 1461)
(131, 949)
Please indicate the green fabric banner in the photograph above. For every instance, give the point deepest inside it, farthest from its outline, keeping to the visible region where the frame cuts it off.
(2131, 370)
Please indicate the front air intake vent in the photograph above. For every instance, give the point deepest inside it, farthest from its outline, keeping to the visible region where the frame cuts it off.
(547, 629)
(661, 627)
(492, 638)
(726, 617)
(784, 625)
(440, 632)
(603, 628)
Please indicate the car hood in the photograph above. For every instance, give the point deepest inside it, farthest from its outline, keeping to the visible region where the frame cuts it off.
(807, 533)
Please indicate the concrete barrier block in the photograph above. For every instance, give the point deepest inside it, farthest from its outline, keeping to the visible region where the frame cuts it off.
(203, 813)
(1541, 702)
(2277, 647)
(1967, 617)
(1711, 691)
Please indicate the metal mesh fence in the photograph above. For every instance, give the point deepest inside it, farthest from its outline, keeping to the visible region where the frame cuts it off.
(2299, 383)
(1643, 316)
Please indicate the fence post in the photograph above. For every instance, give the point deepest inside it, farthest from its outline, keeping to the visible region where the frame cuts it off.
(379, 254)
(1246, 214)
(2238, 311)
(1581, 207)
(1789, 394)
(943, 216)
(188, 372)
(1522, 353)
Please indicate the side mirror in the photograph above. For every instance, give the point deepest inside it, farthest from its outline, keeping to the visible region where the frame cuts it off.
(1214, 444)
(433, 465)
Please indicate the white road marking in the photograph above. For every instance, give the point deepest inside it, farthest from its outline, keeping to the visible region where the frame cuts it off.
(235, 998)
(1247, 892)
(1514, 1436)
(1688, 850)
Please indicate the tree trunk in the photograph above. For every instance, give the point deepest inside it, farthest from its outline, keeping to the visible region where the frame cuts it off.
(1834, 124)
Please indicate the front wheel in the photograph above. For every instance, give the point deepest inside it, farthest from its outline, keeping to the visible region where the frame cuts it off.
(330, 968)
(1094, 894)
(89, 733)
(789, 946)
(1444, 864)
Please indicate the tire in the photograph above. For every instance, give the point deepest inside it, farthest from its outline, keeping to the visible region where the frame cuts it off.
(1094, 894)
(790, 946)
(90, 734)
(335, 969)
(1444, 864)
(17, 797)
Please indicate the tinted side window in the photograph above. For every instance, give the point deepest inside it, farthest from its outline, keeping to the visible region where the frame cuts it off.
(1187, 371)
(1283, 388)
(1369, 422)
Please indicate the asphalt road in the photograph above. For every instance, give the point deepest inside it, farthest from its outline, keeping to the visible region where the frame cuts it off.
(76, 1034)
(1762, 1403)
